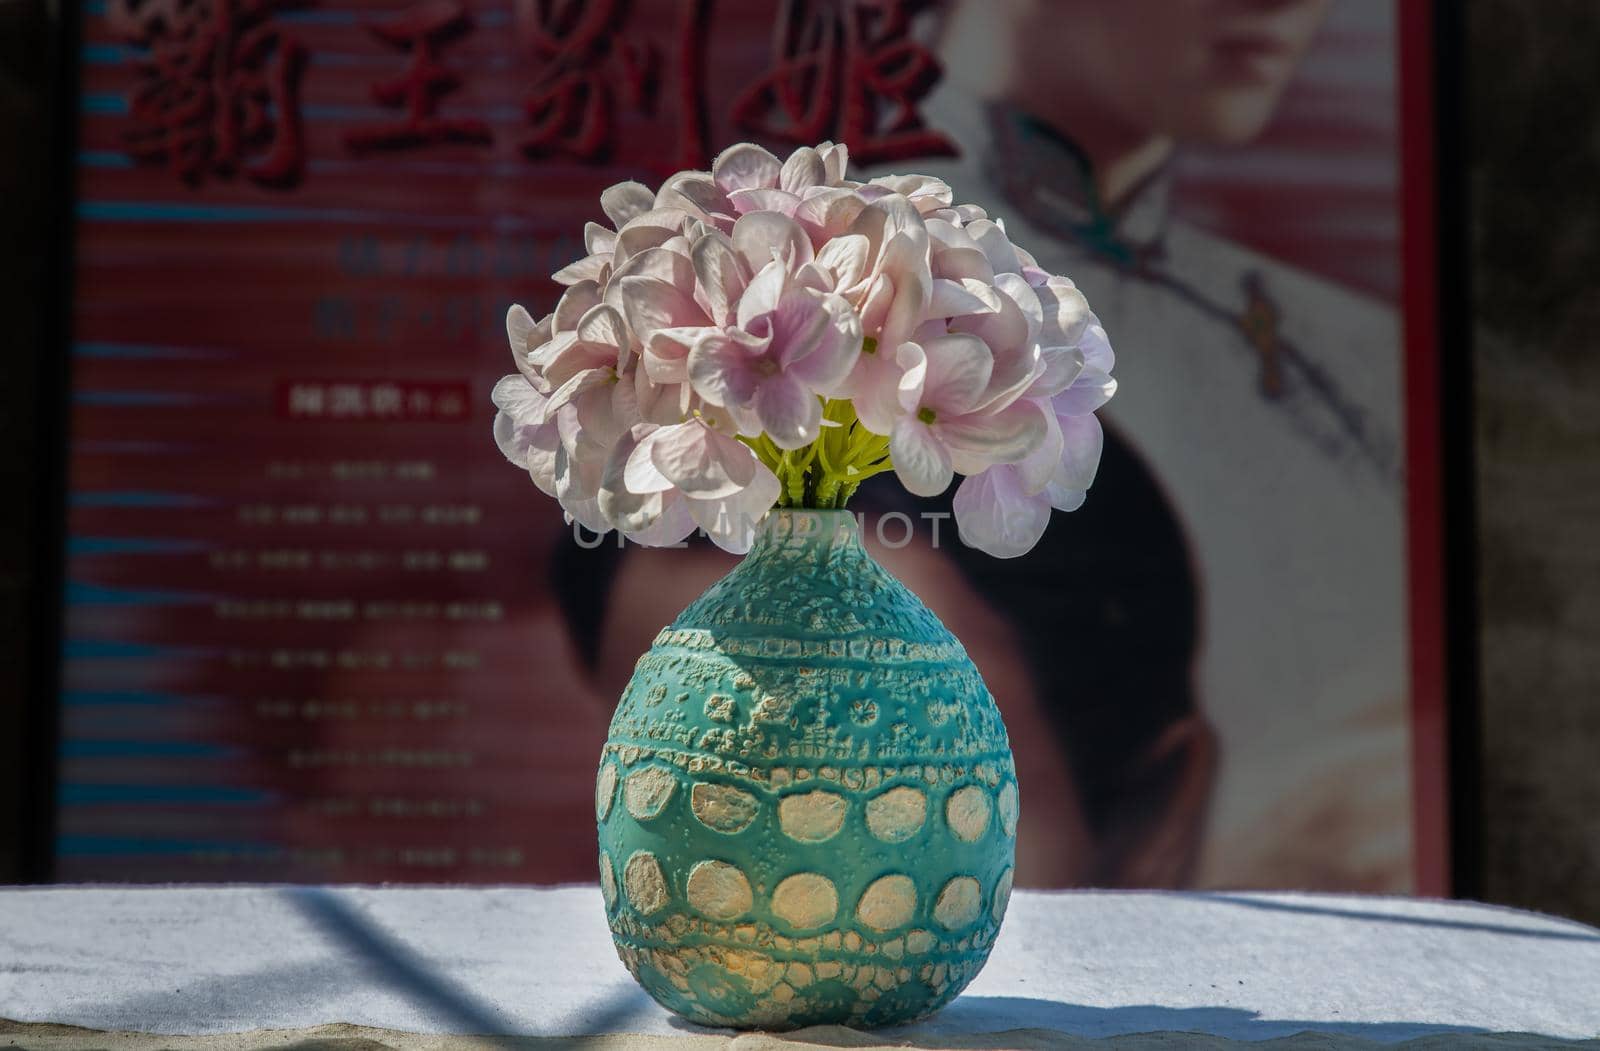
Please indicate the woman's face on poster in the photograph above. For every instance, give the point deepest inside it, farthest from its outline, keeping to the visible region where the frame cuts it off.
(1194, 70)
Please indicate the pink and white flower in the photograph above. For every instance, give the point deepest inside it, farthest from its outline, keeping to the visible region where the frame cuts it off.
(954, 418)
(716, 329)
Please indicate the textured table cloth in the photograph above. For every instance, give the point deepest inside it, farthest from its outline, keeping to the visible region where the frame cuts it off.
(538, 962)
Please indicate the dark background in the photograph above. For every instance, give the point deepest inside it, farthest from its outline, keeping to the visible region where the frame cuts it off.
(1519, 163)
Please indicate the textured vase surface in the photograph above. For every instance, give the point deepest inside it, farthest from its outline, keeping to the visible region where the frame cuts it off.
(807, 803)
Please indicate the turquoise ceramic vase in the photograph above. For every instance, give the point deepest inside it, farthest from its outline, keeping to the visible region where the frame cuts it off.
(807, 803)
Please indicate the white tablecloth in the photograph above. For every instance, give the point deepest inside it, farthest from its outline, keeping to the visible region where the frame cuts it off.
(209, 960)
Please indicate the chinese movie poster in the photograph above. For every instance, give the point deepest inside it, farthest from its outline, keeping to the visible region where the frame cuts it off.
(313, 634)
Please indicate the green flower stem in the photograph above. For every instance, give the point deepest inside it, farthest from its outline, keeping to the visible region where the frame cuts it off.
(825, 474)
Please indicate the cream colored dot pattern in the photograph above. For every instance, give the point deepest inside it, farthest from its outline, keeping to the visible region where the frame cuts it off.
(605, 790)
(958, 904)
(608, 882)
(719, 890)
(645, 791)
(1007, 805)
(896, 815)
(967, 811)
(1002, 895)
(805, 900)
(723, 807)
(888, 903)
(812, 817)
(643, 880)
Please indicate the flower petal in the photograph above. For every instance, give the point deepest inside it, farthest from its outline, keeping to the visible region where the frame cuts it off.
(602, 325)
(789, 413)
(526, 335)
(662, 403)
(1066, 313)
(628, 511)
(1097, 352)
(598, 240)
(652, 304)
(763, 199)
(648, 230)
(826, 368)
(873, 388)
(542, 447)
(578, 463)
(952, 298)
(517, 397)
(721, 369)
(745, 166)
(959, 369)
(1082, 441)
(669, 530)
(906, 308)
(573, 304)
(639, 473)
(954, 254)
(911, 379)
(797, 326)
(828, 214)
(666, 356)
(580, 383)
(996, 517)
(882, 220)
(835, 158)
(586, 512)
(761, 295)
(589, 268)
(759, 236)
(1027, 303)
(626, 200)
(663, 264)
(845, 257)
(925, 192)
(996, 246)
(694, 192)
(1060, 367)
(731, 522)
(803, 170)
(1035, 470)
(1007, 436)
(701, 462)
(920, 460)
(721, 275)
(1088, 392)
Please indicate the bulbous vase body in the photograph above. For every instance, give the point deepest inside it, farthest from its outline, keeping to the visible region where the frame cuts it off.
(807, 803)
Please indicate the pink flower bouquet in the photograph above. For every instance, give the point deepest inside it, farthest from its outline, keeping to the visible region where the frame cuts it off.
(772, 333)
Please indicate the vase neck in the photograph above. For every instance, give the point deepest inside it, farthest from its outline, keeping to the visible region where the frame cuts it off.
(803, 533)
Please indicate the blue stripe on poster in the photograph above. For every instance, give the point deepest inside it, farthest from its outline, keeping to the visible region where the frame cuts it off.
(134, 498)
(137, 398)
(112, 649)
(104, 159)
(80, 593)
(174, 212)
(131, 699)
(104, 102)
(130, 545)
(89, 748)
(100, 846)
(142, 350)
(71, 794)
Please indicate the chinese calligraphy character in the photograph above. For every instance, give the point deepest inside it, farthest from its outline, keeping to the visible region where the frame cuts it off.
(586, 62)
(423, 30)
(847, 70)
(306, 399)
(220, 90)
